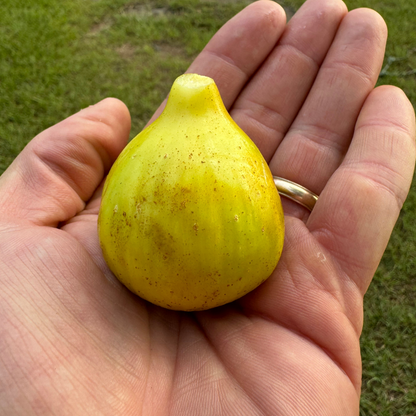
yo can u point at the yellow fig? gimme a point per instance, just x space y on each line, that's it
190 218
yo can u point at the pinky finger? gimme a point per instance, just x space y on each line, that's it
359 206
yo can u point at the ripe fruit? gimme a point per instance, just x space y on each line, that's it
190 217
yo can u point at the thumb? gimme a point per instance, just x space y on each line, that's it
58 171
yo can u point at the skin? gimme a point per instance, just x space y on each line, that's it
74 341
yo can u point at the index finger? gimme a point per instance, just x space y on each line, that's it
238 49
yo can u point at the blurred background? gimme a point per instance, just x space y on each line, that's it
59 56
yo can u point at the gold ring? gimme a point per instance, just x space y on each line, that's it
295 192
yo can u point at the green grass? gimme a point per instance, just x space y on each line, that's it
58 56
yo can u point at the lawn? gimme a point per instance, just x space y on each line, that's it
58 56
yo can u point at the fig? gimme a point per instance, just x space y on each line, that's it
190 218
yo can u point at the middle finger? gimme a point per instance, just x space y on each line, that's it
321 133
269 103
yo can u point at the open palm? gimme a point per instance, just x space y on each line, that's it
74 341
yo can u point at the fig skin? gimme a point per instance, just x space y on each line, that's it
190 218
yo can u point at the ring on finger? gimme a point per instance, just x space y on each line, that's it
296 192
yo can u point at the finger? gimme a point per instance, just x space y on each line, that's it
358 208
319 137
269 104
59 169
239 48
83 227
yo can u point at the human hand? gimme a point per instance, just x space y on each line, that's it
75 341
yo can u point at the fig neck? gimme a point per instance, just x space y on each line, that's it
195 95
